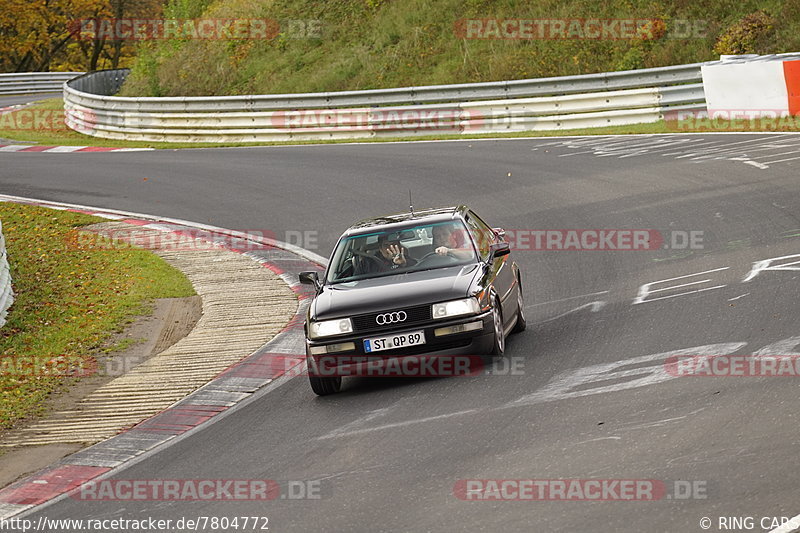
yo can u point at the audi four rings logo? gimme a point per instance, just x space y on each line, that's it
391 318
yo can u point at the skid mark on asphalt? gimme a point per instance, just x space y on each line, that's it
566 299
352 426
657 423
404 423
598 439
593 306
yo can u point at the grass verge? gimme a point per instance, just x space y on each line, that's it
19 126
69 300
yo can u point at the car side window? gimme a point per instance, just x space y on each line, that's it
481 234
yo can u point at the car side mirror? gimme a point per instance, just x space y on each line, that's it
499 249
310 278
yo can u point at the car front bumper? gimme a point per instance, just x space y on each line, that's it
472 345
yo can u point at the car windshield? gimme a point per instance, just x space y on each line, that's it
401 250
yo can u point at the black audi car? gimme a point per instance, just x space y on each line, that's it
439 281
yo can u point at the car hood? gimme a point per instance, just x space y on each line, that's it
390 292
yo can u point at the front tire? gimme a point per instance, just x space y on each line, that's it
325 385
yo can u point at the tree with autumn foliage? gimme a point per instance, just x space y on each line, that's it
42 35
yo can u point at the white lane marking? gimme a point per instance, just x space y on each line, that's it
788 527
782 160
722 147
737 297
398 424
594 306
645 289
747 150
627 141
682 285
783 347
725 147
781 145
766 264
627 372
654 150
684 293
626 147
566 299
575 383
577 153
690 154
756 164
664 142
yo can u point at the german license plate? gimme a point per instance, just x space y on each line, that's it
390 342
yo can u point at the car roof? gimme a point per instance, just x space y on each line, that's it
389 222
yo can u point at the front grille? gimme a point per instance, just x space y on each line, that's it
416 315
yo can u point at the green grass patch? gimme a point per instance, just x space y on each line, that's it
69 300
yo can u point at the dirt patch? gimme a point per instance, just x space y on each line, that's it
172 320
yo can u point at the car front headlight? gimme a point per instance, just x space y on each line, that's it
329 328
465 306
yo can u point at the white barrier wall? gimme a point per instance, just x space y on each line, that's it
6 295
752 84
585 101
34 82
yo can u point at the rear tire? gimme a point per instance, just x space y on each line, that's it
521 323
326 385
499 341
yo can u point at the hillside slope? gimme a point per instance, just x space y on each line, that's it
329 45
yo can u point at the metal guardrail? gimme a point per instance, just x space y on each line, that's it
6 294
34 82
592 100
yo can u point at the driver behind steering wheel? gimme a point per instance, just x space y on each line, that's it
391 255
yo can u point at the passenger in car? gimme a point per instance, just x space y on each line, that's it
447 239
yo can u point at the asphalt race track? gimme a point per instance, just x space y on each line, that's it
588 403
18 99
